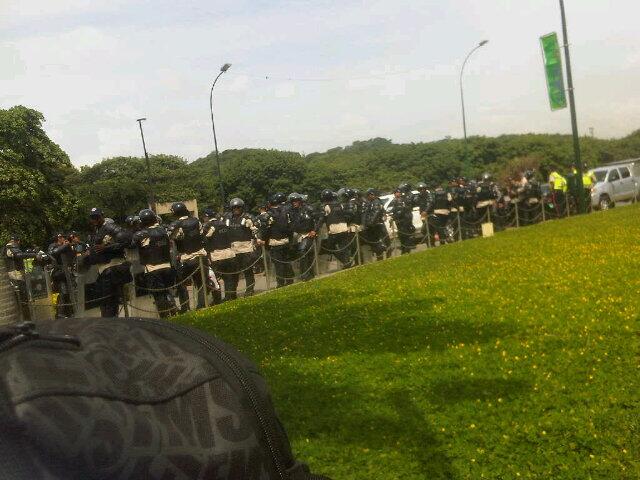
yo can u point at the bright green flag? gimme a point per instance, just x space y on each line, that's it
553 69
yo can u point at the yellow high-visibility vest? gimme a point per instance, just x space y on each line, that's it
587 180
559 182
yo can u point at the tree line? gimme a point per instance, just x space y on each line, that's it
41 192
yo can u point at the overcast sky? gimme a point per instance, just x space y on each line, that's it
338 71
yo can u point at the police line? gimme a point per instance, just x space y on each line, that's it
137 298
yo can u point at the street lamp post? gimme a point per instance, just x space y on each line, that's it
223 69
152 198
464 119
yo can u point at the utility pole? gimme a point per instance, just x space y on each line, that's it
152 198
574 120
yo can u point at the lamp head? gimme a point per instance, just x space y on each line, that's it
484 42
225 67
140 119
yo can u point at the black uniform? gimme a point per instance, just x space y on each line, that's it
442 204
486 196
276 232
401 209
242 232
62 260
467 200
14 260
337 221
303 221
353 211
155 255
374 231
217 243
530 206
106 251
186 232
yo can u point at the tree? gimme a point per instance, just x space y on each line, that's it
34 195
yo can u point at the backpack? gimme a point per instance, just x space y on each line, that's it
134 398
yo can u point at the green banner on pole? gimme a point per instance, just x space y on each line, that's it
553 70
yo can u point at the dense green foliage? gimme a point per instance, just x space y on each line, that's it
39 183
34 198
491 358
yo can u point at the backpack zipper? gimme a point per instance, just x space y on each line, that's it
25 331
240 376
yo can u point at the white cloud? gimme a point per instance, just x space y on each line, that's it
99 65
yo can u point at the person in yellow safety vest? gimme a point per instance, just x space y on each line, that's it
557 181
588 181
558 187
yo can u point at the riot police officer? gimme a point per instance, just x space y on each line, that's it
276 233
242 231
424 201
337 221
352 207
152 242
442 204
486 196
218 244
532 198
401 209
374 231
304 224
107 253
14 258
62 255
186 232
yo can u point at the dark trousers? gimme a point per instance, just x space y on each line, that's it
225 270
441 226
184 270
305 254
109 288
59 285
377 238
405 235
559 202
161 280
245 263
281 262
339 244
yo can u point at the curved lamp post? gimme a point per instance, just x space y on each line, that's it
223 69
464 119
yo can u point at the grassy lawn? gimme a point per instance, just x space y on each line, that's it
516 356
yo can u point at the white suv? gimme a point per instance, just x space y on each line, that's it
614 183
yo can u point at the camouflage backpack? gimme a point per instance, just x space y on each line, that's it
134 399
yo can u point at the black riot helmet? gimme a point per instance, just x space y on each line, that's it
278 198
147 217
209 212
372 191
236 203
327 195
349 193
296 197
421 186
486 176
179 209
529 174
132 221
96 213
404 187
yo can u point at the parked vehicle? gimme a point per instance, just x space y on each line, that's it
614 183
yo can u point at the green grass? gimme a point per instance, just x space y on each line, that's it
516 356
